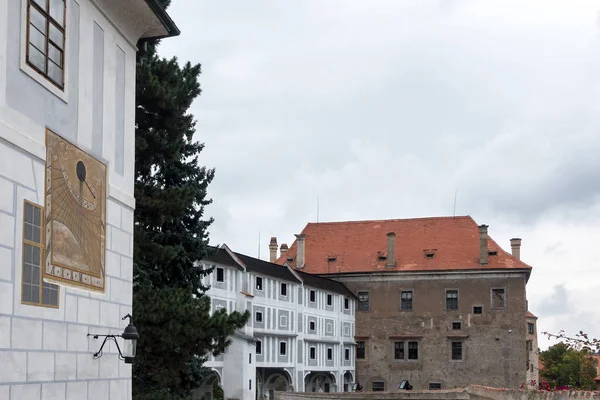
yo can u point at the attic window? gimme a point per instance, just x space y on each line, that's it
429 253
381 255
331 258
492 253
290 259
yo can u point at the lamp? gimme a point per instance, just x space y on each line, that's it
130 335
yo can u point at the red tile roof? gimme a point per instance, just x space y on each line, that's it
530 315
355 246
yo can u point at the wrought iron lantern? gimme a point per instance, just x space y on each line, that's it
130 336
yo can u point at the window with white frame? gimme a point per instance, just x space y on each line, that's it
259 283
312 296
258 316
283 321
258 347
283 289
313 353
329 354
282 348
220 275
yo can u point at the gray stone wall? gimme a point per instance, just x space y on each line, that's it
493 342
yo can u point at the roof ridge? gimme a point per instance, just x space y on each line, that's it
369 221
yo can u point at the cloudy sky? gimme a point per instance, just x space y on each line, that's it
383 109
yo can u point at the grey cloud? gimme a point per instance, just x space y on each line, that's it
556 303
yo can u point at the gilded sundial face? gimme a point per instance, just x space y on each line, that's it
75 215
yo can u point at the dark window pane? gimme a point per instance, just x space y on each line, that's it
452 300
54 296
477 310
399 350
37 59
26 273
35 276
258 347
36 237
329 300
363 301
413 350
457 350
28 213
57 11
56 36
37 217
46 296
27 254
313 296
35 255
35 294
360 350
37 19
37 38
26 292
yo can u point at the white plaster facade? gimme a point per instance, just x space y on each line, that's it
305 340
45 352
533 371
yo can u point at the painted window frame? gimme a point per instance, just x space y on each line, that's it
477 306
256 318
347 354
329 300
312 296
312 326
530 328
283 289
452 350
42 249
312 353
346 303
283 321
259 283
32 71
456 325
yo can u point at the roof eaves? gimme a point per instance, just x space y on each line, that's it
234 256
165 19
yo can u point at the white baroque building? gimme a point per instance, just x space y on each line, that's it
67 71
300 336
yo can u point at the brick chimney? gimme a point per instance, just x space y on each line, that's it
391 250
300 250
515 245
283 250
273 249
483 245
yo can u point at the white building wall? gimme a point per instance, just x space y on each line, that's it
284 319
45 353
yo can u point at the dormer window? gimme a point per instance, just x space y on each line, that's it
331 258
492 253
381 255
290 259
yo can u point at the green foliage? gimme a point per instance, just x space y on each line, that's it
567 366
170 308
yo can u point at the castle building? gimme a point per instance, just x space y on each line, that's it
439 302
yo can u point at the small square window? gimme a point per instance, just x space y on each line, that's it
312 296
311 325
457 351
220 275
258 317
282 348
313 353
360 350
329 353
259 283
363 301
477 310
435 386
451 299
259 347
456 325
346 303
284 289
329 300
347 354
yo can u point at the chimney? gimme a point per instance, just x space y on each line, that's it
300 251
391 250
515 245
483 244
273 249
283 250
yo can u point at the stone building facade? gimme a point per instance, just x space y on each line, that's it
439 303
532 363
67 69
300 335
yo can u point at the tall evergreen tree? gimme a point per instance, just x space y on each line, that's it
170 307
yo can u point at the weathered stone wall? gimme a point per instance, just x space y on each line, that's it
474 392
494 343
